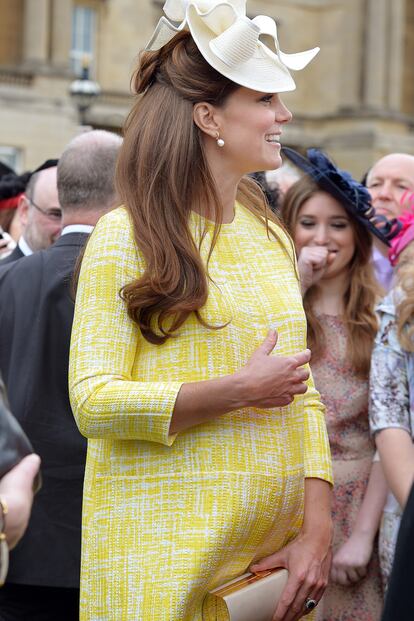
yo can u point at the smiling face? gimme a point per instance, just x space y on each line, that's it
323 222
388 181
251 124
39 211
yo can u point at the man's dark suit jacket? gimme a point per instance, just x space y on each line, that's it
13 256
399 600
36 313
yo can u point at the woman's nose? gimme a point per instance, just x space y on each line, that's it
321 237
282 113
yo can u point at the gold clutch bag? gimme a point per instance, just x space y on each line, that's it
248 597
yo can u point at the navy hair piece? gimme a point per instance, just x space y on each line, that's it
356 193
45 165
11 184
340 184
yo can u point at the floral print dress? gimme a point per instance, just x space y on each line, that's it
346 399
391 405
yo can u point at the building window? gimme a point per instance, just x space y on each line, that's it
12 156
83 39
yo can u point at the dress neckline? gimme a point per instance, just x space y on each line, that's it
331 316
225 227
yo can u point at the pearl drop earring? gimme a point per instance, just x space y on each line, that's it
220 142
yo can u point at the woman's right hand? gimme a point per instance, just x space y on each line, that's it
313 262
350 563
264 382
272 381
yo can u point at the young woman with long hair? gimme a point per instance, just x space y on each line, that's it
324 212
207 442
392 390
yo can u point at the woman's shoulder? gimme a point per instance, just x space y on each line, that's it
250 221
112 239
387 334
115 219
246 215
113 229
389 303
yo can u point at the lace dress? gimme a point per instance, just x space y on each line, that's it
346 399
391 406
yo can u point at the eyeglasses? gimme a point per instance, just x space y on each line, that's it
53 213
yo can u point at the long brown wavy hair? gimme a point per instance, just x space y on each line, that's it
360 296
405 309
162 175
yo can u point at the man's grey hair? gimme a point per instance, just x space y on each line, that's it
86 171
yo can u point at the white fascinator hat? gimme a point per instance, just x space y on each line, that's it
243 50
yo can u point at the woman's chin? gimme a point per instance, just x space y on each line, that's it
274 162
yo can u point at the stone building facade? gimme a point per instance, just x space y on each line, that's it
356 100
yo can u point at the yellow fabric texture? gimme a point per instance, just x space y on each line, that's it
166 519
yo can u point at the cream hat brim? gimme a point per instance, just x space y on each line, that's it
230 43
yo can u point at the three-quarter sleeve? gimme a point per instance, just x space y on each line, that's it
389 390
106 402
317 453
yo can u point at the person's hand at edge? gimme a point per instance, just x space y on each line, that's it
16 488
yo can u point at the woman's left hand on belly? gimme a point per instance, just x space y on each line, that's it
308 560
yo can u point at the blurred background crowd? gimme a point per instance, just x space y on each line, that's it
356 102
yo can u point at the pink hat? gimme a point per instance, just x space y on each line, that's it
404 237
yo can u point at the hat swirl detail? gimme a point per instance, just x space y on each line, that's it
244 50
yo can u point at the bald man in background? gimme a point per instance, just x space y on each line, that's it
391 185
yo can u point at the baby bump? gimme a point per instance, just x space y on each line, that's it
164 541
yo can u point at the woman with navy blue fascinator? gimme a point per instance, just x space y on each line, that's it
333 224
340 184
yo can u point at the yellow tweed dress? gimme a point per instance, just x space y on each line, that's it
167 518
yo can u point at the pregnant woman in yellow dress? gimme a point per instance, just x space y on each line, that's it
207 449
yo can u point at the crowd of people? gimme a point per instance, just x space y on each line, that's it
214 363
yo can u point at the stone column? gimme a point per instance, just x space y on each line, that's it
396 62
36 32
377 49
350 41
407 103
61 33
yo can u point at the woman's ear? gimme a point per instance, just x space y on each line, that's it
205 117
